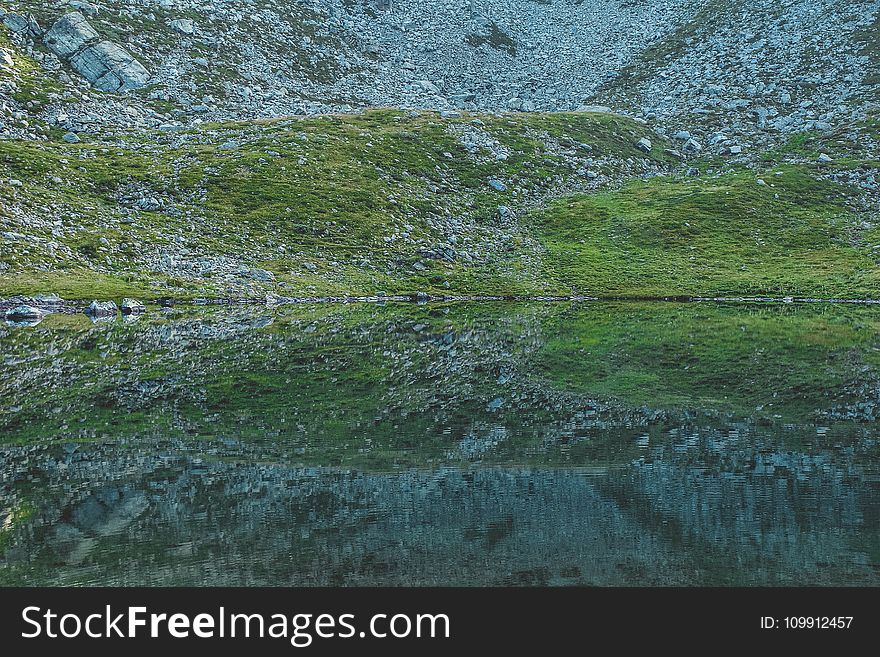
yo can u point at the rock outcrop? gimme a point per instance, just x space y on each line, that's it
106 65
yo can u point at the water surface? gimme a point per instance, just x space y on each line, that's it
469 444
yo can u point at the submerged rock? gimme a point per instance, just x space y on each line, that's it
102 309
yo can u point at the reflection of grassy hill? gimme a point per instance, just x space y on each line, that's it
383 387
330 384
765 360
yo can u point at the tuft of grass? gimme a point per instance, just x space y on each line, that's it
337 205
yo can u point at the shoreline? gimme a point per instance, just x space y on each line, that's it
50 304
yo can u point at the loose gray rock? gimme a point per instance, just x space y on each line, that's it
71 138
262 275
692 146
182 25
644 144
86 8
602 109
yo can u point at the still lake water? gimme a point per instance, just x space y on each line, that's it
469 444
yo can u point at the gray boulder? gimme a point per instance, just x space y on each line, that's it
262 275
102 309
644 144
692 146
604 109
85 7
182 25
132 307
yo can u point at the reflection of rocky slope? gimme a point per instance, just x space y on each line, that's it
370 371
701 506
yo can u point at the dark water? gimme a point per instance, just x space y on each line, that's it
604 444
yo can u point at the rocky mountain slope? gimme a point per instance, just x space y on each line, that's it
732 65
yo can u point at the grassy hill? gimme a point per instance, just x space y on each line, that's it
457 204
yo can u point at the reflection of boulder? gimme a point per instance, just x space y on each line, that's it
108 511
23 312
102 309
132 307
24 315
